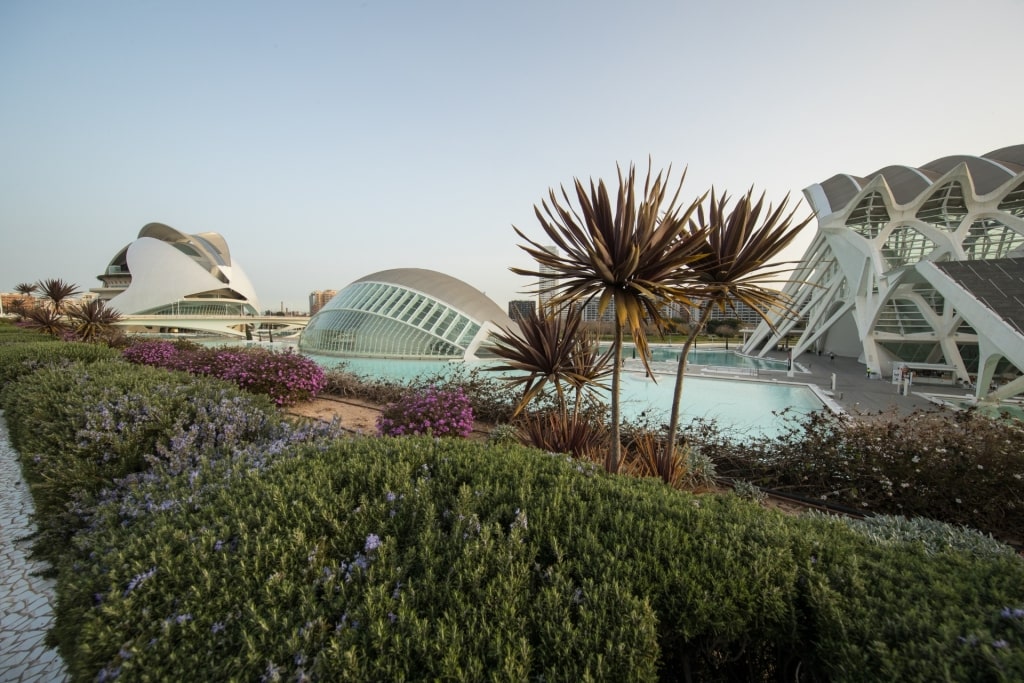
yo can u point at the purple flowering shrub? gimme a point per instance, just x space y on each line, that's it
428 411
285 377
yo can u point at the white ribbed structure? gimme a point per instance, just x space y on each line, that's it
872 286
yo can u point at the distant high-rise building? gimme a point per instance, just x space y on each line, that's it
319 299
521 308
548 279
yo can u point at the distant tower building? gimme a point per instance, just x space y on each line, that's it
521 308
548 279
319 299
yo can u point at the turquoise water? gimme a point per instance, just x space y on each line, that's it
742 407
739 406
717 357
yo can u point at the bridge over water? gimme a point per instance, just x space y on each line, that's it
229 325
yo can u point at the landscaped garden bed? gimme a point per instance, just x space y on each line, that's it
198 532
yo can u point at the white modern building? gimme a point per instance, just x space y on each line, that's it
916 268
406 313
166 272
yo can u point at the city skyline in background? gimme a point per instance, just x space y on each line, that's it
328 141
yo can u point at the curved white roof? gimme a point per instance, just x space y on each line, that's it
168 266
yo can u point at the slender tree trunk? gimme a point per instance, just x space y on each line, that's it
615 453
677 395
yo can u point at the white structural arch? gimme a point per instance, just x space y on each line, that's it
916 267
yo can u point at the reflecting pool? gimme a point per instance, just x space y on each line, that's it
740 406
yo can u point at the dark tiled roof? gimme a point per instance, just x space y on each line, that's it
997 283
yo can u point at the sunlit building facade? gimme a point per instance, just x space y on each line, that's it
903 272
405 313
171 273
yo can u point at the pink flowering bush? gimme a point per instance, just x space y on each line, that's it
428 411
285 377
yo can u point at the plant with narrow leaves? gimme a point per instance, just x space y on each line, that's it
551 349
628 255
93 320
57 292
736 249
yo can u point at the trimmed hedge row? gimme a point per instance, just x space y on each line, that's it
297 555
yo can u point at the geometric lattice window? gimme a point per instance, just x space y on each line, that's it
901 316
946 208
914 352
906 246
1013 203
869 217
931 296
989 238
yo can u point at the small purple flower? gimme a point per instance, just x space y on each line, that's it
372 542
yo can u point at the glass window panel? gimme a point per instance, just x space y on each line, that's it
869 217
945 209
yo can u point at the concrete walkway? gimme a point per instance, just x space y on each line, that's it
855 392
25 597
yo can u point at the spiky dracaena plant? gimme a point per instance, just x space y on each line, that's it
550 349
57 292
93 319
45 320
629 255
735 264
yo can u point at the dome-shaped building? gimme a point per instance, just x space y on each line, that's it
405 313
168 272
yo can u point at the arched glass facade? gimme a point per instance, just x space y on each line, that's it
375 318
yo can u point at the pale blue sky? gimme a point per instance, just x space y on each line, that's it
328 140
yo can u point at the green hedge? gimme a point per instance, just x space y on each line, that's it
211 543
22 357
515 564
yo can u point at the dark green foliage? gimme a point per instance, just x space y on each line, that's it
79 428
390 559
26 355
244 551
962 468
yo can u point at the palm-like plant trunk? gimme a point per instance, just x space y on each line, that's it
677 394
614 456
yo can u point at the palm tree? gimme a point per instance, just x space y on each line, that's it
46 320
93 319
551 349
26 290
56 291
628 256
735 265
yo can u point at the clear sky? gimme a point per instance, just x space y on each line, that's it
329 140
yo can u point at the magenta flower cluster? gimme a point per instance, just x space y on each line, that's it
428 411
285 377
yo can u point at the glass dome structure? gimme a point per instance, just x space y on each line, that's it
405 313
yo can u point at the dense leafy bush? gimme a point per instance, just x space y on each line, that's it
425 559
427 411
285 377
82 428
489 398
21 357
238 547
957 467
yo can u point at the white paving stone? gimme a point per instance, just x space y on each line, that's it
25 597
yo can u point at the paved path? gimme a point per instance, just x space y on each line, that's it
25 597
